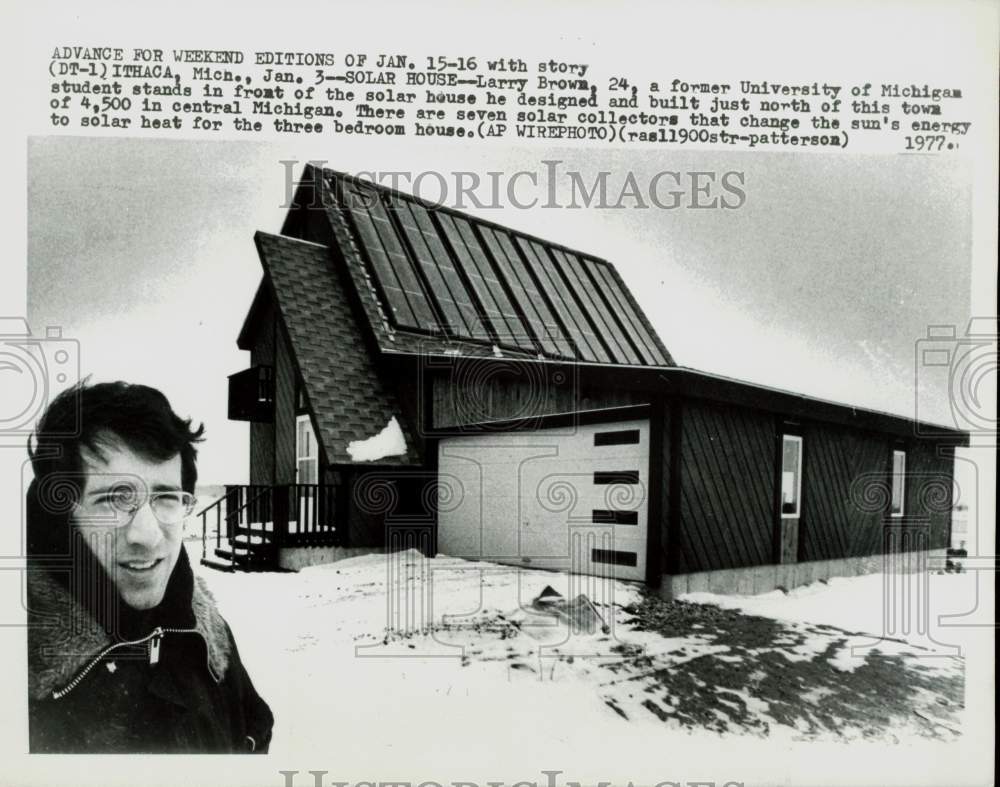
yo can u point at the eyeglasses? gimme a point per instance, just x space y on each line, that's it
118 506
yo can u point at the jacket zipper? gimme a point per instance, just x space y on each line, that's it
153 638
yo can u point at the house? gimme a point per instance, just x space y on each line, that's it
421 377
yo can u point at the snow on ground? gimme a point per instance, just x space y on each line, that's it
895 615
454 666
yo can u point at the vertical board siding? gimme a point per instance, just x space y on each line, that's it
262 434
284 413
838 519
727 458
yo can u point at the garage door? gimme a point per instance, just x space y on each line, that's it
571 498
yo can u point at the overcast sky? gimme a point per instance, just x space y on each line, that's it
821 283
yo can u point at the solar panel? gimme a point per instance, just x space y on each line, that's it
471 257
443 281
441 272
565 305
393 269
579 282
627 317
555 342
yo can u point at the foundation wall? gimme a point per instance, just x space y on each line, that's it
761 579
294 558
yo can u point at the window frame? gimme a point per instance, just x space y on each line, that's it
300 458
796 438
901 453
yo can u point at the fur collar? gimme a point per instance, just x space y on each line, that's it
63 637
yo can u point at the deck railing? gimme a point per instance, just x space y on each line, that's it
280 515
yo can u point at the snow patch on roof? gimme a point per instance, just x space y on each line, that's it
388 442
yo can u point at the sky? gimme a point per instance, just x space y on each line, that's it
823 282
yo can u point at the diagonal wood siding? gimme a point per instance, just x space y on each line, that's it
727 458
839 517
929 491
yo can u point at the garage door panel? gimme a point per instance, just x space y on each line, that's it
486 455
532 498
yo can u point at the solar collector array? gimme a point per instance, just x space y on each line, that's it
442 272
507 325
444 281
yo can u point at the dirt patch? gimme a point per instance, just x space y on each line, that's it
761 673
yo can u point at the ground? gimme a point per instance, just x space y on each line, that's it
469 671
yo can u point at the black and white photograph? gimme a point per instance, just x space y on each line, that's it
505 415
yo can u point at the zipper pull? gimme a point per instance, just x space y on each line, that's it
154 646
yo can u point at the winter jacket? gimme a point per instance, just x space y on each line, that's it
170 689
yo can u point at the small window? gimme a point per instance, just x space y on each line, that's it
898 482
791 476
621 437
616 477
613 557
306 452
601 516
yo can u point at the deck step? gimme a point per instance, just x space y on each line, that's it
254 556
218 565
241 530
244 542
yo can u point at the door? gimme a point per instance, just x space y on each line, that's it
572 498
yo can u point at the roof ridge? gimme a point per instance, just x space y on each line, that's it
289 237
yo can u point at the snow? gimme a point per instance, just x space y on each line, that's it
388 442
856 605
442 665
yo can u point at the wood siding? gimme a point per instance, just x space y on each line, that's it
284 412
262 434
928 493
465 395
372 503
726 487
844 505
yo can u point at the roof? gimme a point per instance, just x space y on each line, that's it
344 391
410 279
684 381
431 278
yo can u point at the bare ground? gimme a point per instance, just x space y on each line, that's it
766 673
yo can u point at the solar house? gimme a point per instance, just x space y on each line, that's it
422 377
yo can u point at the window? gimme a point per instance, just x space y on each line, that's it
616 476
791 476
306 452
613 556
898 482
621 437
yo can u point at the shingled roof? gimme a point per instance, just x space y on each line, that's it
430 279
345 393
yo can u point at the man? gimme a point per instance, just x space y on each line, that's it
127 651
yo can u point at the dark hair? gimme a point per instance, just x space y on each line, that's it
91 415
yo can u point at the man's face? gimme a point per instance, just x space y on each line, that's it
139 555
